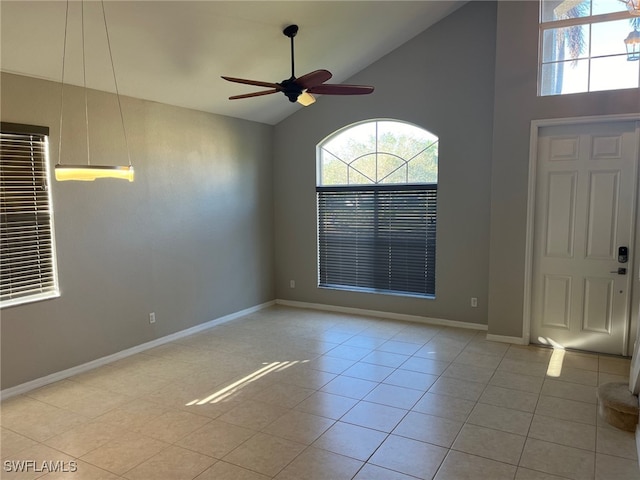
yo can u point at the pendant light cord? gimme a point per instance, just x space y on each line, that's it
64 54
86 108
84 80
115 81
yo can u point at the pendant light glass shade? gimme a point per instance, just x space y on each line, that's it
87 172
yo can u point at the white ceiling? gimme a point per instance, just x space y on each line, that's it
175 51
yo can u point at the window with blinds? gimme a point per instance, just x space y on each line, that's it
377 202
27 252
378 238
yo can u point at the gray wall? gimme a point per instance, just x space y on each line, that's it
191 239
516 105
443 81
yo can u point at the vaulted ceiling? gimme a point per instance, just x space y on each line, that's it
174 52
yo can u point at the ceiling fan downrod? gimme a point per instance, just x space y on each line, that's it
290 32
291 90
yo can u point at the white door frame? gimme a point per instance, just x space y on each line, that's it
536 125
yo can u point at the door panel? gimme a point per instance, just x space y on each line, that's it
598 300
557 301
560 225
584 211
602 215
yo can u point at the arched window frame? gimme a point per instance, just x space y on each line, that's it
431 143
376 235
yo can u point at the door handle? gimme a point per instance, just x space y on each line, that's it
620 271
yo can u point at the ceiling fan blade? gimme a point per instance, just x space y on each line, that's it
314 78
341 89
254 94
256 83
305 99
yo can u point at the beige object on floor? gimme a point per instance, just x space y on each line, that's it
618 406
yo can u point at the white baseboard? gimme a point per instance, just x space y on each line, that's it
54 377
506 339
377 313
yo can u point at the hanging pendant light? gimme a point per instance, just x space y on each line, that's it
89 172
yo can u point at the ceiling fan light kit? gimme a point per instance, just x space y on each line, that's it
300 89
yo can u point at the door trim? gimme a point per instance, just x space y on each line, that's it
536 125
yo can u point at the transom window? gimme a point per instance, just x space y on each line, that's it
587 46
377 197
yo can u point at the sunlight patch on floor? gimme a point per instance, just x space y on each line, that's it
555 362
554 369
233 388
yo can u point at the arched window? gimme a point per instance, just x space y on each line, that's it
377 195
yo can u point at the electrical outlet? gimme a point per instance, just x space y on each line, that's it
152 317
474 302
292 284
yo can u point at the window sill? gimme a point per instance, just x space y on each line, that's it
377 292
30 299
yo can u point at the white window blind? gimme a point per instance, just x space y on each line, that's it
27 252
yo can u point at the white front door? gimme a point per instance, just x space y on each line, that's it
584 216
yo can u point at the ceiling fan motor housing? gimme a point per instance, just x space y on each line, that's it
291 89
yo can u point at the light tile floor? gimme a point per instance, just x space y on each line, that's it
298 394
